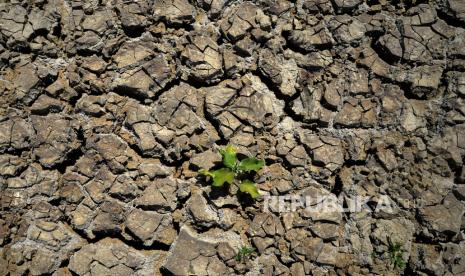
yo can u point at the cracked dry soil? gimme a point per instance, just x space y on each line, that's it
109 108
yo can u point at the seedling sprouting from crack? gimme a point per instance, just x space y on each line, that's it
234 169
395 254
244 253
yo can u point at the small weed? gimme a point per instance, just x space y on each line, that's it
244 253
233 168
395 254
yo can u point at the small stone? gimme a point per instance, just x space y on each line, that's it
225 251
143 224
94 64
45 104
97 22
297 157
135 82
175 12
154 168
326 231
350 115
195 260
311 37
204 59
262 243
427 257
201 212
297 269
239 21
328 255
107 255
41 262
159 196
387 158
443 219
206 160
332 96
89 42
60 133
11 165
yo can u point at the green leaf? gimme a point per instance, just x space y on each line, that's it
205 172
395 252
251 164
250 188
229 156
244 252
221 176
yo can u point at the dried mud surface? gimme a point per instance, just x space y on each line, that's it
109 108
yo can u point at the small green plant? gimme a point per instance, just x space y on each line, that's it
395 254
234 169
244 252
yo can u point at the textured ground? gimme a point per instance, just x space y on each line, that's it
109 108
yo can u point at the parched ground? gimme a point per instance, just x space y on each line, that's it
109 108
